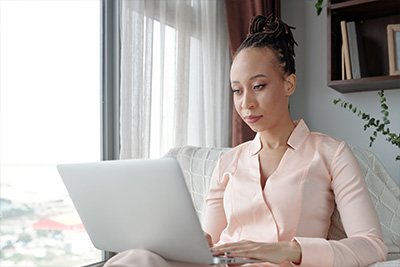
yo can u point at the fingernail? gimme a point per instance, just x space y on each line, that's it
227 252
211 250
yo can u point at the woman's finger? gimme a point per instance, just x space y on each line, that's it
233 246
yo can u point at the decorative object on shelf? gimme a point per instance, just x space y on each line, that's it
380 126
346 51
393 33
356 49
353 57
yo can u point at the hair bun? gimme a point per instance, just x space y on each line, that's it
271 25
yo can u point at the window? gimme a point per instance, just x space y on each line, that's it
158 126
50 113
174 76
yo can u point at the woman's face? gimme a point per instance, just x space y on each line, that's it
261 93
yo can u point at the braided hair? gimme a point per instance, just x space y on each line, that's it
273 33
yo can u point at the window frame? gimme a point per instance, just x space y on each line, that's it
110 83
110 89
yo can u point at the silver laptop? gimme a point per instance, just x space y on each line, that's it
142 204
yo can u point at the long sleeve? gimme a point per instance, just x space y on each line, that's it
364 244
214 220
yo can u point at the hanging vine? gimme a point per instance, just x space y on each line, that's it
379 126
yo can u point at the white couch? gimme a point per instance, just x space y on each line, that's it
198 163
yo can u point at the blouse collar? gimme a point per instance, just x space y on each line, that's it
296 138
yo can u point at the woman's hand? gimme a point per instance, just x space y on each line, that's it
271 252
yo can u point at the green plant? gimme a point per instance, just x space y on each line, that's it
318 6
380 126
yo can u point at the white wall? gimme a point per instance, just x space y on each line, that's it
313 100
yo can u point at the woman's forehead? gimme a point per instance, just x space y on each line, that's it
253 61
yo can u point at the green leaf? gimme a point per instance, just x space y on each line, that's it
372 140
371 121
318 6
364 116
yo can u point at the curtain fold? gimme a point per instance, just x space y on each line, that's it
174 76
238 14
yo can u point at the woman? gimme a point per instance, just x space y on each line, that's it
272 198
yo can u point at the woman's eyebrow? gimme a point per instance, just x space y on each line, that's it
252 78
257 76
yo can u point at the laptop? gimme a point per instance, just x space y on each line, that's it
139 204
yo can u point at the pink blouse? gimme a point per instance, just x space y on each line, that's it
297 202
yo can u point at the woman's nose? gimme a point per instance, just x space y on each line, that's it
248 100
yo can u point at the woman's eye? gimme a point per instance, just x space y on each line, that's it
259 86
236 91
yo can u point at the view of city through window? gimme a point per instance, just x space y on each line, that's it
49 114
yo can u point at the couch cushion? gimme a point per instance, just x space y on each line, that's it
197 164
390 263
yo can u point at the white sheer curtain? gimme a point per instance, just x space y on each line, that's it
174 76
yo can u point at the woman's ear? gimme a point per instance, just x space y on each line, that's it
290 84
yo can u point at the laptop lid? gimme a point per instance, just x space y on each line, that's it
141 203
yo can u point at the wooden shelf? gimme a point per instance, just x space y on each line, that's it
370 8
366 84
372 17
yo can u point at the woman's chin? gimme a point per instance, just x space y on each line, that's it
254 128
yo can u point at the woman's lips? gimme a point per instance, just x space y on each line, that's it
252 119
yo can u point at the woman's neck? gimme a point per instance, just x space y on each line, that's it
277 136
